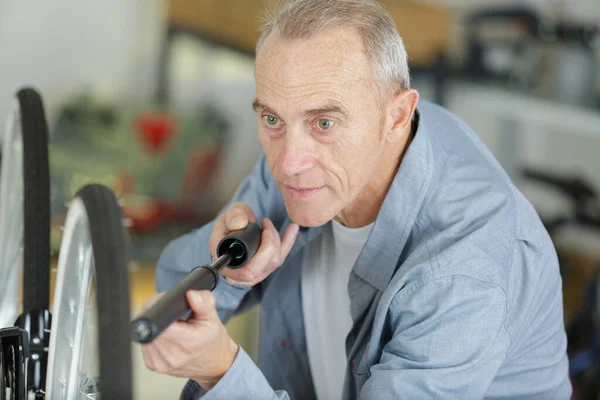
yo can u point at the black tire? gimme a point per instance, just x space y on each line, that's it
36 205
112 291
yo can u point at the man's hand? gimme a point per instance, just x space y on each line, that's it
198 349
270 255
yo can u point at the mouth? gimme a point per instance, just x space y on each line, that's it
302 193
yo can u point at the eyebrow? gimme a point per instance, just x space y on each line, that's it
257 105
330 107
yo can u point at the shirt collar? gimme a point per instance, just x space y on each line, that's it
379 257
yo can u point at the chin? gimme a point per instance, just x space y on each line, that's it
307 216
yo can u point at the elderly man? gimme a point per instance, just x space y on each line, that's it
397 261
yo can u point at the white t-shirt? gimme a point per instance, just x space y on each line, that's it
326 305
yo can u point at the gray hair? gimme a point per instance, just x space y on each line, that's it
292 19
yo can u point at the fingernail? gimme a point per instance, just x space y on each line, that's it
238 220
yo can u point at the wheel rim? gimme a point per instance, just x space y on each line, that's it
11 218
73 363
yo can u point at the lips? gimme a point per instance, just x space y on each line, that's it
303 192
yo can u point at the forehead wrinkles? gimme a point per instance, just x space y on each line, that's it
332 66
316 86
294 71
335 56
324 88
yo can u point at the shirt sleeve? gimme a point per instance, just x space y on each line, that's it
243 380
448 342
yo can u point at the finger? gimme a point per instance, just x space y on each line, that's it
170 353
232 281
285 245
219 232
185 339
202 304
289 238
273 232
157 352
267 225
256 266
182 337
148 357
153 357
238 216
221 228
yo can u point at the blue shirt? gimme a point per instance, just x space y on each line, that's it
456 294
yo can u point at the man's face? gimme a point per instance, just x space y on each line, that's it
319 121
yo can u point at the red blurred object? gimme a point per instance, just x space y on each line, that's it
155 130
159 212
199 168
153 213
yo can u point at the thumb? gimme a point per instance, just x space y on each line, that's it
202 303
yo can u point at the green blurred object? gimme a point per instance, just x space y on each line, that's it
161 165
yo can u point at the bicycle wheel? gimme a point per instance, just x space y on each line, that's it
90 345
2 384
24 209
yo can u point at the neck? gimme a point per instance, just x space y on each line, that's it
364 209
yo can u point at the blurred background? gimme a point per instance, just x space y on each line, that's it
153 98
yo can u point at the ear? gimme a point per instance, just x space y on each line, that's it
401 111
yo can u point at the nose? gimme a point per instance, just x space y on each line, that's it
298 153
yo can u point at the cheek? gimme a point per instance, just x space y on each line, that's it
355 154
270 147
262 136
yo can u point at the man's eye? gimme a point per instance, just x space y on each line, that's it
325 124
271 120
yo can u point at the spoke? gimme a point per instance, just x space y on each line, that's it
73 361
89 389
